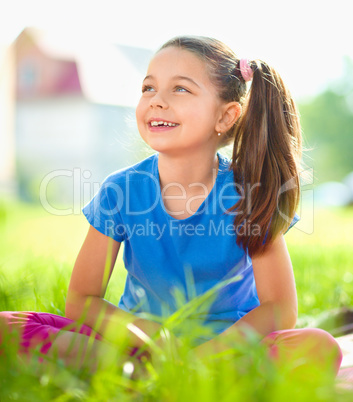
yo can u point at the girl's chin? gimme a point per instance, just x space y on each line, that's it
159 144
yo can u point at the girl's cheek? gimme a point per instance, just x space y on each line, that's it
141 107
138 113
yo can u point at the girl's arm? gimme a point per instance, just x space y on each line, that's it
88 284
276 290
277 294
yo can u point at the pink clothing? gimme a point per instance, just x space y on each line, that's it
314 345
38 328
35 329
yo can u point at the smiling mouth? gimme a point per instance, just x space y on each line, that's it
155 123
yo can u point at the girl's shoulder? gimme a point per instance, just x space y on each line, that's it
142 170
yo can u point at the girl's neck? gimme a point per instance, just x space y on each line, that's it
187 173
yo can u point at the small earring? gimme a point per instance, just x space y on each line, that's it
219 134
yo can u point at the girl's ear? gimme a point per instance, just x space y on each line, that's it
230 114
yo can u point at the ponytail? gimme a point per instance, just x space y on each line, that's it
266 158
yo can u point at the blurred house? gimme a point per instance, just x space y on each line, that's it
74 114
7 117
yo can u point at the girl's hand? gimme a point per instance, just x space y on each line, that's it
150 335
142 331
227 342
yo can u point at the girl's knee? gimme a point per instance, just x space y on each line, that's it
13 325
319 339
5 323
10 320
323 343
6 327
315 344
4 319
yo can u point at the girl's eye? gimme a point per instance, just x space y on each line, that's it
181 89
147 88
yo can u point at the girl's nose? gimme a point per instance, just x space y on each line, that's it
158 101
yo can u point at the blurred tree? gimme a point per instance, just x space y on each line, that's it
327 122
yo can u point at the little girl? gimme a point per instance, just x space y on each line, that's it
191 219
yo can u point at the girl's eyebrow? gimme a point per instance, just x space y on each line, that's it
176 77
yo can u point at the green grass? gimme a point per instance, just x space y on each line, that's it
322 261
37 252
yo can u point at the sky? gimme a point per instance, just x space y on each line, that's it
305 40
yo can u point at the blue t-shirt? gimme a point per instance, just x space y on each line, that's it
170 261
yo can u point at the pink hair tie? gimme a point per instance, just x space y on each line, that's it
246 70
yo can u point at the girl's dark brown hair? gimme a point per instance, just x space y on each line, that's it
267 142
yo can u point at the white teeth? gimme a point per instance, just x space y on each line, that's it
162 123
